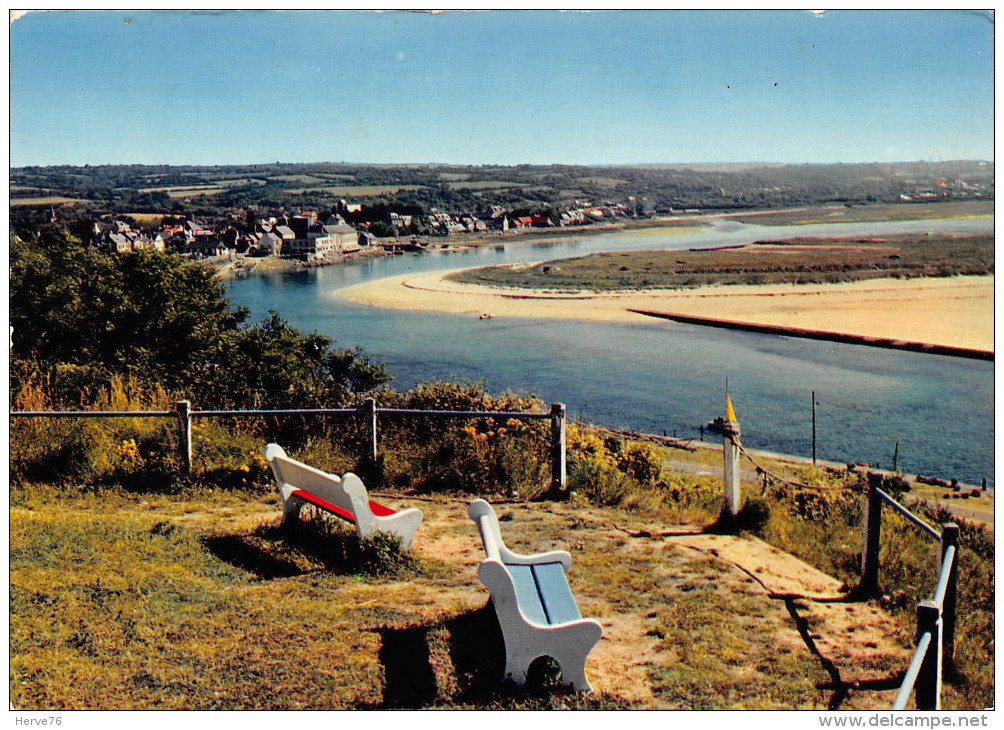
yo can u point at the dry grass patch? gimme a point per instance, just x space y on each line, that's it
123 601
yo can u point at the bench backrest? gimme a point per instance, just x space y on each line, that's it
349 493
537 584
488 525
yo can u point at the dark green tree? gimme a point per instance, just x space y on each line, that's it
164 321
273 365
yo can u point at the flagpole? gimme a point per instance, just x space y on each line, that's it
813 428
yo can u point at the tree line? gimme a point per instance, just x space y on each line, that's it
477 188
80 318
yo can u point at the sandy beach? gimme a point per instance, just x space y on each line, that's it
954 312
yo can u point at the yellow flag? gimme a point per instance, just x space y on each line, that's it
730 415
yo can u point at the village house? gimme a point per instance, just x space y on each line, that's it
120 238
473 224
345 236
267 244
574 217
323 241
145 242
285 235
400 221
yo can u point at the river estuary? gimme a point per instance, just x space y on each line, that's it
660 376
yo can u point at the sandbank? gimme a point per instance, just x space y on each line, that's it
954 312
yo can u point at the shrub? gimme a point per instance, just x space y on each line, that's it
476 456
605 470
641 463
135 453
482 458
381 554
337 546
895 485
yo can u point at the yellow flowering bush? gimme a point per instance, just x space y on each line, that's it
127 450
604 469
476 456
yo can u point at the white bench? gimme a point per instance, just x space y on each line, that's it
534 605
343 497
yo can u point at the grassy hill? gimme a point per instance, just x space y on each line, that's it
195 598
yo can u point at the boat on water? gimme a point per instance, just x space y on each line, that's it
716 425
415 245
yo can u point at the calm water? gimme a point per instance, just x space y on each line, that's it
665 376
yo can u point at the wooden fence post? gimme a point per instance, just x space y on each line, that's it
872 528
371 426
928 686
183 409
730 451
949 537
559 479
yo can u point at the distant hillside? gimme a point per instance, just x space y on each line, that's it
644 190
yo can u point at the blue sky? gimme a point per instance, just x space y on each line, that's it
500 87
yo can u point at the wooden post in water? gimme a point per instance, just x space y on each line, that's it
559 479
730 455
949 538
872 533
183 410
369 408
928 686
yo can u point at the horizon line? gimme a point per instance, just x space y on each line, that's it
499 164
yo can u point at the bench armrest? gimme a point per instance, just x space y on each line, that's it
495 548
552 556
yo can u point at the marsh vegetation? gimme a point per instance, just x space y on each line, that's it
788 261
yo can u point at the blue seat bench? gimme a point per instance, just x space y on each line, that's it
534 605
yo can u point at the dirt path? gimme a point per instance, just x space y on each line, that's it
843 632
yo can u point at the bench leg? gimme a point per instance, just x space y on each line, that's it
568 645
573 670
291 511
573 646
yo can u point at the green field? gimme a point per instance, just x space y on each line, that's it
297 179
362 191
484 185
605 182
796 261
46 200
867 213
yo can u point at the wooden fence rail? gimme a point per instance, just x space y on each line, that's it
183 414
924 674
936 617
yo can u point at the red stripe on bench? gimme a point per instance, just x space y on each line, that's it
381 511
323 504
378 509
